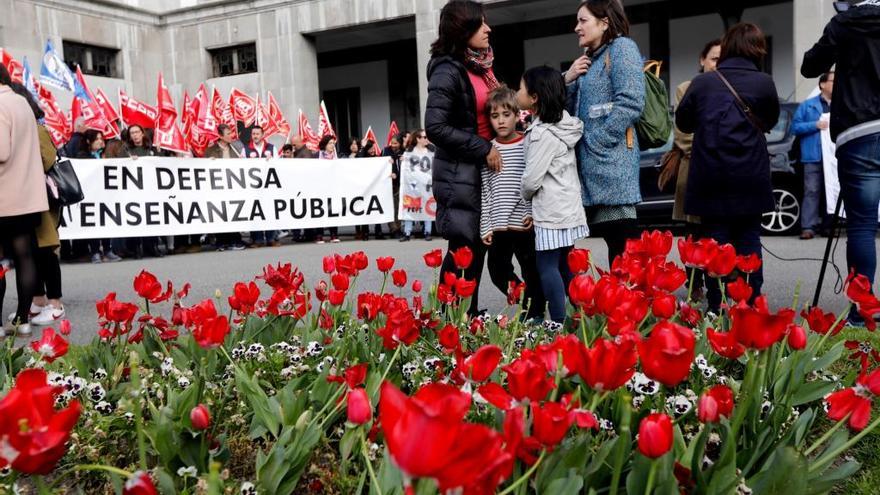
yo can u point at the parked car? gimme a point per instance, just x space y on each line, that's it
656 206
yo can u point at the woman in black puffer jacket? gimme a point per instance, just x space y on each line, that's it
460 78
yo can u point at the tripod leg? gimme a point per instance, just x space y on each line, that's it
831 237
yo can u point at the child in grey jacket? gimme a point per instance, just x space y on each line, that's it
551 181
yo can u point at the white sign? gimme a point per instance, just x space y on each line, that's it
416 192
154 196
829 169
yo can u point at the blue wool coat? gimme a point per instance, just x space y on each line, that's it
608 167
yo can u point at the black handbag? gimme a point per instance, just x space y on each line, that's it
62 184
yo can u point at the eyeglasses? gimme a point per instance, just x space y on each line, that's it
423 137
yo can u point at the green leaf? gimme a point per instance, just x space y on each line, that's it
780 475
827 359
570 455
831 479
722 474
570 485
347 443
811 392
258 401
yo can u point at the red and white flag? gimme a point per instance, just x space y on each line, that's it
278 117
55 120
110 113
134 112
244 108
14 67
86 106
376 150
324 125
223 113
188 115
168 135
264 120
392 131
305 131
203 129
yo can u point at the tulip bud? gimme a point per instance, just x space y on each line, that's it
655 435
797 337
714 403
200 417
359 409
417 286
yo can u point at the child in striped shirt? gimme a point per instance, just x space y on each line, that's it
505 217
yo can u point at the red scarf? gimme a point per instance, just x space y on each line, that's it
480 63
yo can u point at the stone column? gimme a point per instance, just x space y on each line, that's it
810 18
427 21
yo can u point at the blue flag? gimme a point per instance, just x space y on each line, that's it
54 71
28 77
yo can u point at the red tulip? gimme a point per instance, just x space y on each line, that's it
757 329
480 365
797 337
463 257
697 254
515 292
581 290
821 322
748 264
359 409
385 263
528 378
200 417
495 394
579 260
723 262
64 327
368 305
667 354
147 285
550 423
336 297
115 311
663 306
140 483
849 402
51 346
608 365
33 435
434 258
714 403
859 289
870 381
725 344
340 281
448 337
244 297
655 435
465 288
417 286
667 277
329 264
355 375
398 277
739 291
211 332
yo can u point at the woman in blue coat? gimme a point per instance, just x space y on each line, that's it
729 178
606 90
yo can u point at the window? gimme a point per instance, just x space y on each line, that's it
92 60
232 60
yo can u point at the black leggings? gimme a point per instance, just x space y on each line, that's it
21 247
49 271
520 244
555 277
615 234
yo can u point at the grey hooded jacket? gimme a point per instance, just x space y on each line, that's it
551 180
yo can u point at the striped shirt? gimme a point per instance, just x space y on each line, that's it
503 207
549 239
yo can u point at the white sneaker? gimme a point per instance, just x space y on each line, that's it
24 330
49 316
32 312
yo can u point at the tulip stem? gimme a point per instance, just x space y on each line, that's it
522 479
836 452
388 368
691 285
365 451
827 435
42 489
137 410
831 330
90 467
651 475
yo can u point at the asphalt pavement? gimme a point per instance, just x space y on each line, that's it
212 271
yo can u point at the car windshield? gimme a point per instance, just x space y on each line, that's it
778 132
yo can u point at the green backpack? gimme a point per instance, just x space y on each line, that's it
655 125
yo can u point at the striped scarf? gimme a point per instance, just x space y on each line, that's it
480 63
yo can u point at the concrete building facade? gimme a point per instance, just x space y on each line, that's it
367 58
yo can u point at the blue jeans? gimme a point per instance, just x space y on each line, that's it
555 277
858 167
408 226
264 237
811 219
744 232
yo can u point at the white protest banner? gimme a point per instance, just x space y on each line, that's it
416 193
154 196
829 169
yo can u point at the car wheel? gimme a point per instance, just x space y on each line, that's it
785 218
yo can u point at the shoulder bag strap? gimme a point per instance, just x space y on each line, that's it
741 103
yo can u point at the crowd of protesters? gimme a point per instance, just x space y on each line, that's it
512 188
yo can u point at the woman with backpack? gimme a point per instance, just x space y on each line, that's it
606 90
728 111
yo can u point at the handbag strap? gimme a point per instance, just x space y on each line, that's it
741 103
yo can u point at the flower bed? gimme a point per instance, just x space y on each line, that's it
284 388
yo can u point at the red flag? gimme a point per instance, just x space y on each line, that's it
110 113
376 150
203 129
134 112
86 106
188 111
55 120
223 113
324 126
392 131
244 108
14 67
308 136
278 117
264 120
168 135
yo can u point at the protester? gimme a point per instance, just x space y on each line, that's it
807 124
415 157
606 90
226 145
505 217
92 146
137 142
395 150
852 42
683 142
327 148
729 178
368 148
258 147
22 196
550 181
299 148
460 79
354 147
